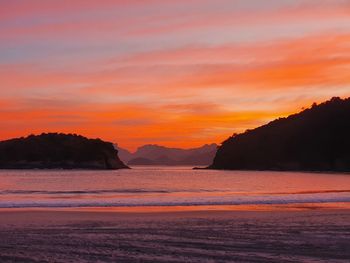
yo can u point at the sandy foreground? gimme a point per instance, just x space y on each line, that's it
295 234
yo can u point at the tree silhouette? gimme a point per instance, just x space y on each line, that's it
317 139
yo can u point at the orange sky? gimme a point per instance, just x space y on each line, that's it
176 73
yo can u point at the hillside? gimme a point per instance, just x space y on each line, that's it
160 155
58 151
316 139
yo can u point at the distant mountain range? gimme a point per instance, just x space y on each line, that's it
58 151
160 155
316 139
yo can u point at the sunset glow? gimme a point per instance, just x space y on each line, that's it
176 73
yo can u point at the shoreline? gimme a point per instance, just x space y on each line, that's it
272 170
190 167
21 218
190 208
38 217
283 235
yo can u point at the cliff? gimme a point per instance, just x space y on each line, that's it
58 151
316 139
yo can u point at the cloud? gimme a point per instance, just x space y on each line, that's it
179 73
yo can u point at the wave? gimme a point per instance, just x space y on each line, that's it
109 191
41 192
145 203
150 191
311 192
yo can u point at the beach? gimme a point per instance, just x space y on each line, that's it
174 214
295 233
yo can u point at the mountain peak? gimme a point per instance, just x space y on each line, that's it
162 155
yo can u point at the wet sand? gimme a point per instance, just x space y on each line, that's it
299 234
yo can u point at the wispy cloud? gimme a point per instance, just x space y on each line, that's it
180 73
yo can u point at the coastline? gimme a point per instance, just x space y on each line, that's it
275 170
188 208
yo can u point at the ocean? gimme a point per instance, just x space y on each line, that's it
167 186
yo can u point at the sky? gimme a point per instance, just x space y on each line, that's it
176 73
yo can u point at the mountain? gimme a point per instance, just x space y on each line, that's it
124 154
58 151
160 155
316 139
140 161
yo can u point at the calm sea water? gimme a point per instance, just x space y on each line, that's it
167 186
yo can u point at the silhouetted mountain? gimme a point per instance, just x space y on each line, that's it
160 155
140 161
317 139
124 154
53 150
165 160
